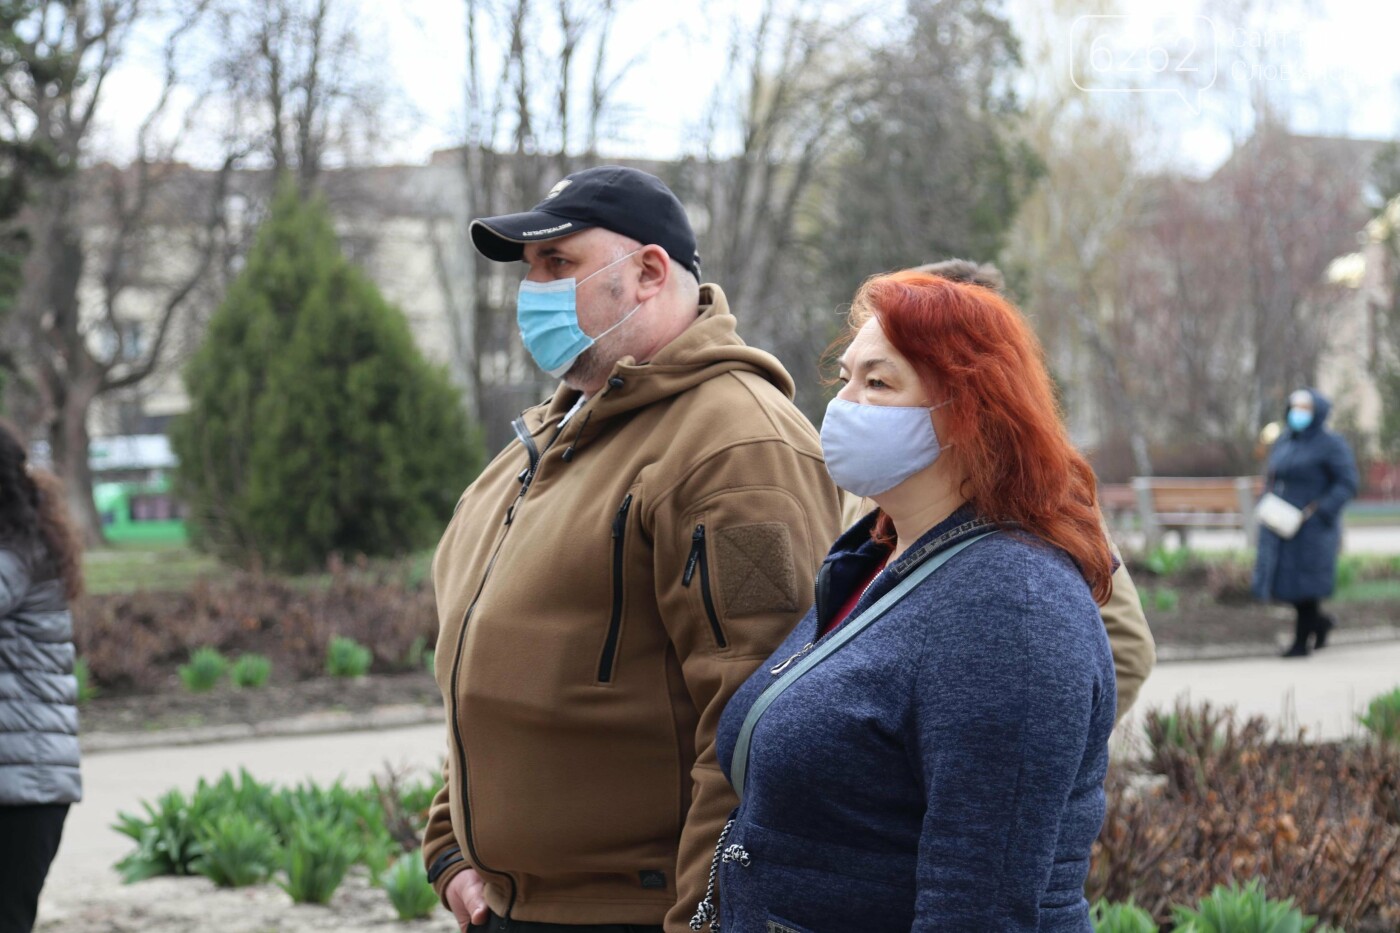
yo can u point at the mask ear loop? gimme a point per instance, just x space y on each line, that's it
934 408
620 321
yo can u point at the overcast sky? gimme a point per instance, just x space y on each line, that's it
1334 60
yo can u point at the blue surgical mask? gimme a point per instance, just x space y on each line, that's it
547 313
1299 419
870 449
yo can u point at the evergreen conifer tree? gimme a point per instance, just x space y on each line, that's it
316 426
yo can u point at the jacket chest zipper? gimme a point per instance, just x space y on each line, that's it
526 477
619 541
699 559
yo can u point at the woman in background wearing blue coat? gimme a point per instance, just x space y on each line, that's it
1313 469
39 574
943 768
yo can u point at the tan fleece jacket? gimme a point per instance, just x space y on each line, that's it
602 589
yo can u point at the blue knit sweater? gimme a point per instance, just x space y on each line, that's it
942 771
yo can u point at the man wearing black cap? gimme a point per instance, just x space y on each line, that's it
610 579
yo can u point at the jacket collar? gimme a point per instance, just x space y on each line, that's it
855 555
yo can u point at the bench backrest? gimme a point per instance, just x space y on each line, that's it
1198 494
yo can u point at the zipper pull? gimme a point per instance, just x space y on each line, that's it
697 544
620 520
777 669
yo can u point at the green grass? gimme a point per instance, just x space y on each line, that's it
128 568
1371 515
1365 591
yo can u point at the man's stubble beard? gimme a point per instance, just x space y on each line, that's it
594 364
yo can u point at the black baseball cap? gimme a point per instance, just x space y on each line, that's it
623 200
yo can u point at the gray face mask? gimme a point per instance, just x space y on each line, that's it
870 449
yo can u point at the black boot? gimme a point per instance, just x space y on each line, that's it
1301 630
1325 624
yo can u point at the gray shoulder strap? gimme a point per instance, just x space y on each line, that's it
739 768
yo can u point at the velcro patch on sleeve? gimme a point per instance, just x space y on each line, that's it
756 569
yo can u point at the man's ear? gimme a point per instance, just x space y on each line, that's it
656 270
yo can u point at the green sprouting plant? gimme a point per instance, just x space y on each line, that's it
168 838
413 657
165 839
318 854
407 886
1121 918
235 850
206 668
429 659
1165 599
250 670
1242 910
346 657
1383 717
86 688
1349 570
358 812
1165 563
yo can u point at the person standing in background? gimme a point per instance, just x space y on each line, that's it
1312 469
40 573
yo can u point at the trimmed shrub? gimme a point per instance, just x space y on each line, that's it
250 670
206 668
346 657
406 883
137 640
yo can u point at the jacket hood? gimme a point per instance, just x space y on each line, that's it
710 347
1322 408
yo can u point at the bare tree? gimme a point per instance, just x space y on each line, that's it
764 141
537 93
68 357
299 82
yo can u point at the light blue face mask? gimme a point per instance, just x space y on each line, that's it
547 313
1299 419
870 449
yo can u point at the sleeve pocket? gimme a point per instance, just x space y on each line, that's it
756 569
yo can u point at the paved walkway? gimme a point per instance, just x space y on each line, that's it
1365 539
1323 692
118 781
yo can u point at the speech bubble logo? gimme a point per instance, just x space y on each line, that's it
1126 54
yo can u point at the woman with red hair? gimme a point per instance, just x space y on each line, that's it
928 748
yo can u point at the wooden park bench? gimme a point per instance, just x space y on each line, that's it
1183 504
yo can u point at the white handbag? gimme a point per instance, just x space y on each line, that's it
1277 515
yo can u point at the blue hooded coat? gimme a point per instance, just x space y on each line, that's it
1309 467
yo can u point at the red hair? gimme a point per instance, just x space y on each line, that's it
973 348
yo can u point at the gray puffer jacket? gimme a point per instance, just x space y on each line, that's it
38 693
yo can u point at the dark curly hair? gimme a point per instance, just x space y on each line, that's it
33 519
